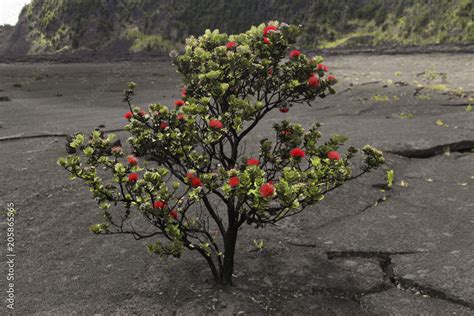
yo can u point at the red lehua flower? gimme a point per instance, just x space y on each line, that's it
128 115
180 116
174 214
297 153
253 162
132 160
159 204
234 181
284 109
183 92
295 54
334 155
268 29
216 124
313 81
332 78
190 175
285 132
164 125
267 190
179 103
266 41
230 45
196 182
116 150
141 113
133 177
322 67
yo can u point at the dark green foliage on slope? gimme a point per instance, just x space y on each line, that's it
151 25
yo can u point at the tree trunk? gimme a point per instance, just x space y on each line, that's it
229 251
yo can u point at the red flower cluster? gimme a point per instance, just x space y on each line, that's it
215 124
253 162
313 81
334 155
322 67
284 109
132 160
285 132
116 150
196 182
179 103
174 214
133 177
193 180
268 29
183 92
231 45
164 125
234 181
128 115
267 190
159 204
141 113
332 79
295 54
180 116
297 153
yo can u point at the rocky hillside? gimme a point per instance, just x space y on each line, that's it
122 26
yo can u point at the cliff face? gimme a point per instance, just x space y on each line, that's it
121 26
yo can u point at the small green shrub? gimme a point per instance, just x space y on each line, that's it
189 176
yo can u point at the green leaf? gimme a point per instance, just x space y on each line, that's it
98 228
131 85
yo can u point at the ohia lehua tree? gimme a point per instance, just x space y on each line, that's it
188 175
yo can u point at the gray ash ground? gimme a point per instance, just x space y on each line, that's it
407 250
